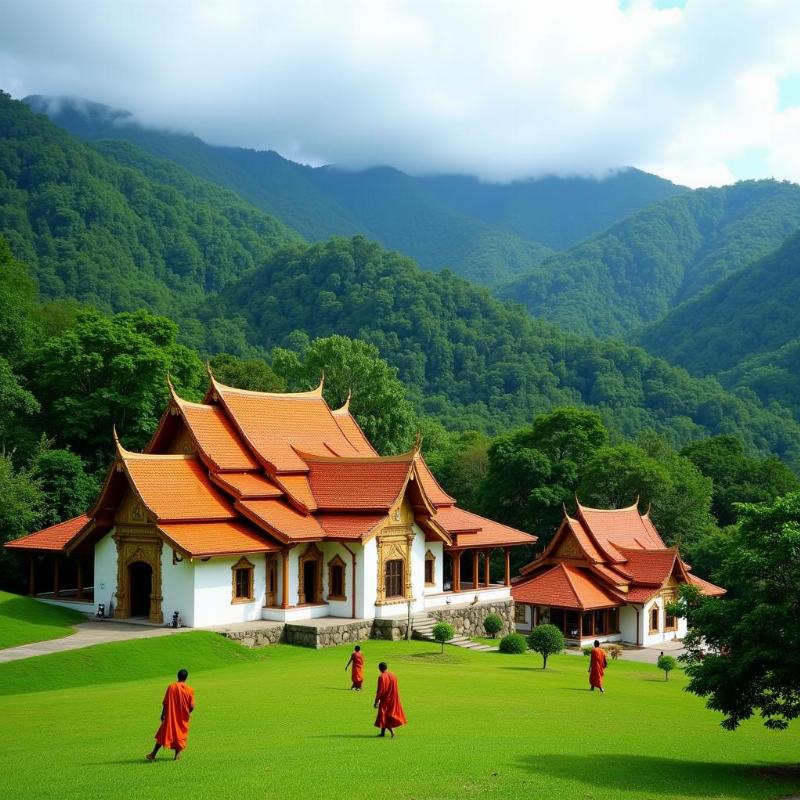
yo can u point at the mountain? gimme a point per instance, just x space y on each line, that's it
93 229
472 361
558 212
484 232
746 328
641 268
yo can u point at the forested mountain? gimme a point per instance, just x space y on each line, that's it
92 229
485 232
558 212
473 362
747 328
640 269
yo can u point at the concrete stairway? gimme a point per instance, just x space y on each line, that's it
422 627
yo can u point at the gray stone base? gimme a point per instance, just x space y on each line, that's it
328 635
468 620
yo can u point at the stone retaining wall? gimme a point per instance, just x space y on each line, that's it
327 636
468 620
256 637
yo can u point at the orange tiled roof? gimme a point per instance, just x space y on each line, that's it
247 485
217 538
650 567
364 483
564 586
175 487
620 527
297 487
282 519
471 530
275 424
436 494
352 430
216 436
706 587
56 537
349 526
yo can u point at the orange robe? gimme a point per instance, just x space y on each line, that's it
357 670
178 705
390 710
597 667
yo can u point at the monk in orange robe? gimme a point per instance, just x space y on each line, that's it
175 712
357 671
387 701
597 667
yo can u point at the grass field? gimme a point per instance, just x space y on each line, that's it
24 620
281 723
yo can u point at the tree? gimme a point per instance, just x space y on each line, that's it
443 632
667 664
743 651
513 643
253 374
66 488
493 624
547 640
353 368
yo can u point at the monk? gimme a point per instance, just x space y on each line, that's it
387 701
597 667
177 707
357 671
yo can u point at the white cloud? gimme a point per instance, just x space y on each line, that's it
499 89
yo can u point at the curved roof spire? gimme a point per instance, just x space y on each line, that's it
346 407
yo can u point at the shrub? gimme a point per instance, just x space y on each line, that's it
493 624
587 651
613 650
667 663
546 640
443 632
513 643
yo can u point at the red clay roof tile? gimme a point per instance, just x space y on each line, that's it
56 537
564 586
200 539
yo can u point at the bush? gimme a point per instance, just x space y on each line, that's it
513 643
443 632
493 624
667 663
613 650
546 640
587 651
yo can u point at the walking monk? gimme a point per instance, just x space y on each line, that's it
357 671
387 701
597 667
177 707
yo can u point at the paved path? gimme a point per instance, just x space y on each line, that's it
646 655
87 634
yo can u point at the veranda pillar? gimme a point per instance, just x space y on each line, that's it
487 576
456 556
507 578
475 573
285 581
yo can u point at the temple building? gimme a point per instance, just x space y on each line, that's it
256 505
606 575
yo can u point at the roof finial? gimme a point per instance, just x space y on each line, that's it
649 506
417 443
321 383
564 508
346 406
636 503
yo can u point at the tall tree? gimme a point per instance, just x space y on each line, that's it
744 651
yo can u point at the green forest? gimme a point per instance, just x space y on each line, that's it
118 267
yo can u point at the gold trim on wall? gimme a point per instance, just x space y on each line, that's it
430 558
312 553
243 563
337 561
394 542
140 543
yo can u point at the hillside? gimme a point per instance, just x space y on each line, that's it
641 268
474 362
746 327
91 229
485 232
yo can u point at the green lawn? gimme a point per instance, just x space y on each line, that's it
23 620
282 723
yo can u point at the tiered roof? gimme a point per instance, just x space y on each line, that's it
602 558
247 472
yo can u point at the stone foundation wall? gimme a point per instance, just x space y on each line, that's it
257 637
392 630
328 636
468 620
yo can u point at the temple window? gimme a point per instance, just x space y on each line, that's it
242 581
430 569
393 578
654 619
670 621
519 613
336 589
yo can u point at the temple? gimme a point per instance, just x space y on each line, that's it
257 505
606 575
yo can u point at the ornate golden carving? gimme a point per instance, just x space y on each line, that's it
569 548
312 553
430 558
394 542
140 543
242 563
337 563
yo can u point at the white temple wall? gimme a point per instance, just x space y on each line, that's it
213 592
177 588
418 550
339 608
437 551
630 624
105 572
368 579
657 637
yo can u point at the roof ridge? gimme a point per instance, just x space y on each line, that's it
568 576
307 395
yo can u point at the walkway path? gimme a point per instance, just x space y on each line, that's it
646 655
87 634
422 625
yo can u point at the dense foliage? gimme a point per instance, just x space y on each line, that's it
473 362
744 651
513 643
659 257
546 640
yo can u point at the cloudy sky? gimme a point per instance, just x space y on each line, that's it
699 91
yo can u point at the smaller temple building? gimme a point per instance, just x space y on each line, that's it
606 575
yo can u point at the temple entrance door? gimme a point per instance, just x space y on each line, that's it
310 568
140 581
